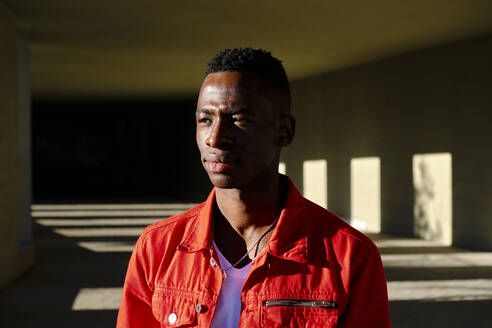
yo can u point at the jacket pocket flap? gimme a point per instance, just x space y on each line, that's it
294 312
172 310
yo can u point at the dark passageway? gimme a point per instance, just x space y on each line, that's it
115 151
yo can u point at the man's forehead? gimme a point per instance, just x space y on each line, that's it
244 89
224 92
231 81
217 97
216 88
229 85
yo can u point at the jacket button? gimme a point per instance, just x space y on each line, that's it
198 308
172 318
212 262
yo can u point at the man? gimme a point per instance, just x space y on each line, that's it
255 253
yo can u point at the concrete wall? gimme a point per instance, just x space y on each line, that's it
15 253
434 101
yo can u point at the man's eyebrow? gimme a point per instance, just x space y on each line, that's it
203 111
241 110
234 111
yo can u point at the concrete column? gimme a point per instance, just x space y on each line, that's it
397 195
24 133
339 186
16 253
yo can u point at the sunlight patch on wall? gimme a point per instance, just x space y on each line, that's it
432 180
365 190
282 168
314 174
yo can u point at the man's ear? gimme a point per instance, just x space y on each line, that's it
287 130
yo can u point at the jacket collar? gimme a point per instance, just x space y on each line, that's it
200 235
289 238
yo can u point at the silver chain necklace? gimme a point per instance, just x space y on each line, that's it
256 245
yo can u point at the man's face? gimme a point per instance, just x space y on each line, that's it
237 130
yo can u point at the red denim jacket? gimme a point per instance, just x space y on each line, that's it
316 271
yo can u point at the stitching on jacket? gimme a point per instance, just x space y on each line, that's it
189 294
173 219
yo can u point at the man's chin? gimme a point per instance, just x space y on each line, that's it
223 181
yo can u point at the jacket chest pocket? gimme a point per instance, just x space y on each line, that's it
308 313
174 311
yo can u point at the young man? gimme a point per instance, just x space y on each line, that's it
255 253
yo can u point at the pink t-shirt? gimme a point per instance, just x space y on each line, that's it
229 305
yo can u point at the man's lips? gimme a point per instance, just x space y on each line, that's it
218 163
219 167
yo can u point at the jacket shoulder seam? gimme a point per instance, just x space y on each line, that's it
171 221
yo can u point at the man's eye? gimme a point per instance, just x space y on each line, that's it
204 120
240 119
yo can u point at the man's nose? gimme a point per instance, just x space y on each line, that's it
219 135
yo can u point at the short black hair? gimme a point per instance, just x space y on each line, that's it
247 59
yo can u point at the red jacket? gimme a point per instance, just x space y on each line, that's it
316 271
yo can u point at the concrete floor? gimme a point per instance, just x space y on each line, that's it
82 253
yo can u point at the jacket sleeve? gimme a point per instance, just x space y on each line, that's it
368 297
136 303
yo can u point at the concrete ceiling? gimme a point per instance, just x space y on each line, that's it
127 48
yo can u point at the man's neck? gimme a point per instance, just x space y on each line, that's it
250 207
242 215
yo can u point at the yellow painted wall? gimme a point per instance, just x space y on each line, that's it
432 101
13 259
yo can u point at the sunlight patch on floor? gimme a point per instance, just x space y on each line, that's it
103 213
440 291
107 246
99 232
405 242
58 207
433 291
429 260
97 299
98 222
